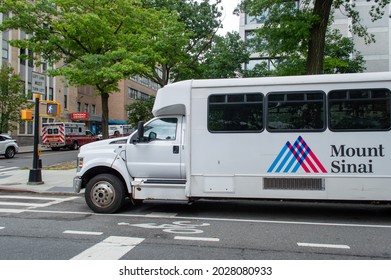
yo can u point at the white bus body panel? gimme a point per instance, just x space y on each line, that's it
238 165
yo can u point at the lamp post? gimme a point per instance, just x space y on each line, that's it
35 176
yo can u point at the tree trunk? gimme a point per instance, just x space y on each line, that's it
316 43
105 115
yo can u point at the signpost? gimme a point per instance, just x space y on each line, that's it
38 89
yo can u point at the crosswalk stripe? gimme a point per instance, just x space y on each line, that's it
21 204
8 168
35 197
15 211
112 248
37 202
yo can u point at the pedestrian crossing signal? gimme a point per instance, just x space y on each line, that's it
53 109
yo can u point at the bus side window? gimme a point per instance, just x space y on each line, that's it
359 110
234 113
296 111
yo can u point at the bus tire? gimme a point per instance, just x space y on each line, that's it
105 193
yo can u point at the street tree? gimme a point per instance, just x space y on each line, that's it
12 99
225 57
300 26
140 110
340 57
92 42
179 56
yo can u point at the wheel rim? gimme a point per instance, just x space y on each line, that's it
102 194
10 153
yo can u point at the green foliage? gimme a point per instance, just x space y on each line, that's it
293 29
340 56
98 42
12 99
140 110
181 53
225 57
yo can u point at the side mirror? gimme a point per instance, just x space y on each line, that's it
152 136
140 131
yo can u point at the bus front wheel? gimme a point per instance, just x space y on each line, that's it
105 193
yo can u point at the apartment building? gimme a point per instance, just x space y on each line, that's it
377 56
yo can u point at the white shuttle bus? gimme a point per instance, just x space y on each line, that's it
320 137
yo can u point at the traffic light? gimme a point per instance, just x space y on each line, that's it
53 108
27 115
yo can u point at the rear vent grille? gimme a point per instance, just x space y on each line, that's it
302 184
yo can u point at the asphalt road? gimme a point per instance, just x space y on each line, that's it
25 160
36 227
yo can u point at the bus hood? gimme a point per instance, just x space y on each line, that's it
102 143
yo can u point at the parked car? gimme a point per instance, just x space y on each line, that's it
8 146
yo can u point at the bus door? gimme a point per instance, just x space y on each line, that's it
161 153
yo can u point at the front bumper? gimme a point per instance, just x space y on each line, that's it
77 181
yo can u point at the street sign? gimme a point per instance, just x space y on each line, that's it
38 83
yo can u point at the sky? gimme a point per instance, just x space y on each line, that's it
230 21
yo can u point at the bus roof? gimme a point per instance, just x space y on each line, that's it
294 80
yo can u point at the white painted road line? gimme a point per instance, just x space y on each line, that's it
15 211
37 197
8 168
1 227
112 248
161 215
319 245
21 204
190 238
83 232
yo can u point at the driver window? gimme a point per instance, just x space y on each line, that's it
161 129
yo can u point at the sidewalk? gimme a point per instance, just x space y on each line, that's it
53 181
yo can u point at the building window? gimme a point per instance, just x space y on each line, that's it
86 107
266 63
65 101
135 94
5 49
93 109
31 60
29 91
78 106
47 120
256 19
22 52
26 128
51 95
